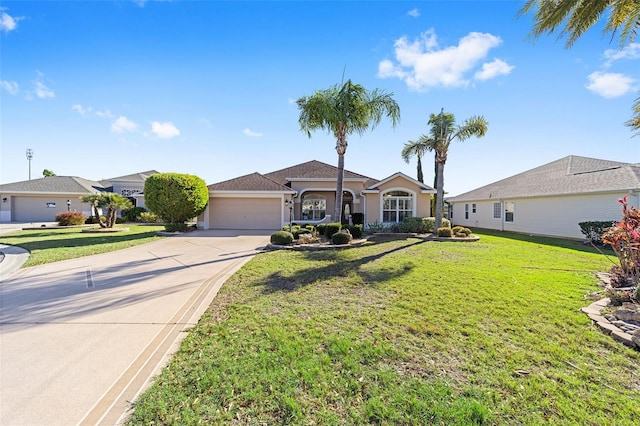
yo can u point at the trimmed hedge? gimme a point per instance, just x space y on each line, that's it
356 231
331 228
281 238
444 231
340 238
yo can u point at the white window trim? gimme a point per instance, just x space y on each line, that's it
412 194
315 197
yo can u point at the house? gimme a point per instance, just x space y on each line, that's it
551 199
305 193
40 200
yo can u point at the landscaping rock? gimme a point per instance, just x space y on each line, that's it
628 312
635 337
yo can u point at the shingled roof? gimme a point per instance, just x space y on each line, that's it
569 175
54 184
135 177
314 170
251 182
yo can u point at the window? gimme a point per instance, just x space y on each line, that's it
450 211
509 211
314 207
473 208
396 205
496 210
466 211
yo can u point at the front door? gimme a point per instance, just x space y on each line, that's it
347 208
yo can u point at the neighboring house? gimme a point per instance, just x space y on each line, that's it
40 200
551 199
258 201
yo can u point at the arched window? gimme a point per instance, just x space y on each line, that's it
314 207
396 205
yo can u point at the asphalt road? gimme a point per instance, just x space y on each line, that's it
80 339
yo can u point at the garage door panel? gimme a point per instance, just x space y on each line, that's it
245 213
37 209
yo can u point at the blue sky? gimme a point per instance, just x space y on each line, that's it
100 89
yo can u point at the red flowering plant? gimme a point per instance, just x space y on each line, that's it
624 238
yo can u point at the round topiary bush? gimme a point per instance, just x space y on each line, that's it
281 238
340 238
300 231
444 231
70 218
331 228
356 231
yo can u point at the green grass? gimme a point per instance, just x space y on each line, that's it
53 245
403 332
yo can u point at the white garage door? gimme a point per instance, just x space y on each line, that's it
245 213
38 209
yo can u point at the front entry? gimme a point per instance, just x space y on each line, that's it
347 207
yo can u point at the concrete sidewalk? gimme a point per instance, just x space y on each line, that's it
81 338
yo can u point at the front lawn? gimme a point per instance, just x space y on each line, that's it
55 244
403 332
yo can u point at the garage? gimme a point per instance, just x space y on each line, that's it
245 213
39 209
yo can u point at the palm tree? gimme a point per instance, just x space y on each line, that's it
443 131
95 201
111 201
415 149
572 18
342 110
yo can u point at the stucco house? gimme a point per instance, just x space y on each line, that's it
305 193
551 199
40 200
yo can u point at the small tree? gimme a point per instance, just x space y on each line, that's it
111 201
47 173
175 197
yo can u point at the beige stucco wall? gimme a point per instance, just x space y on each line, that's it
553 216
422 202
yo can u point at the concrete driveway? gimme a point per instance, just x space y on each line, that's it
81 338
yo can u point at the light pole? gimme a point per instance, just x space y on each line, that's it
289 204
68 205
29 157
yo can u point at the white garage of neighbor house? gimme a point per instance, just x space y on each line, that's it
551 199
41 200
305 193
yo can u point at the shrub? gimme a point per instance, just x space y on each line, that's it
357 218
175 197
70 218
300 231
132 214
176 227
332 228
307 239
444 231
430 223
457 229
593 230
148 217
375 227
321 228
624 237
340 238
467 231
281 238
92 220
356 231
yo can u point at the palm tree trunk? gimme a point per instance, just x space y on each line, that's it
339 182
420 175
440 194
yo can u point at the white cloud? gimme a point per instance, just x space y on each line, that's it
610 85
105 114
422 64
630 51
249 132
8 22
414 12
10 87
123 124
42 91
81 110
493 69
164 130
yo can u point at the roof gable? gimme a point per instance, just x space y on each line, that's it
419 184
313 170
569 175
135 177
